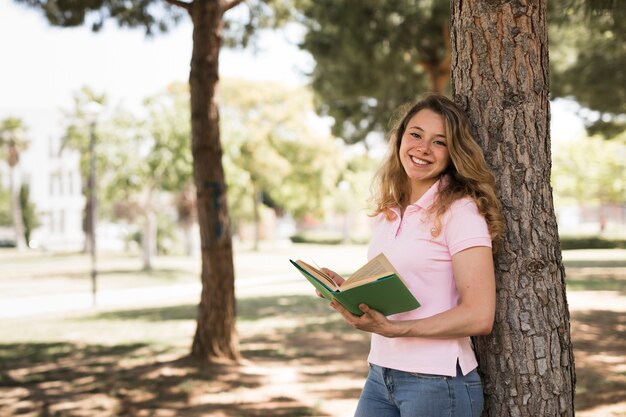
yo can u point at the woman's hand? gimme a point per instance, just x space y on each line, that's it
334 276
371 321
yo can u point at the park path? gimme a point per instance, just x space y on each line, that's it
266 272
262 273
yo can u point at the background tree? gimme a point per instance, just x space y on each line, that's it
591 171
588 53
371 56
77 136
5 208
354 190
277 153
215 335
500 78
152 162
13 142
29 215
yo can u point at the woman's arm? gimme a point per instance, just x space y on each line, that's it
474 315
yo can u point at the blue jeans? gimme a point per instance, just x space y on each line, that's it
393 393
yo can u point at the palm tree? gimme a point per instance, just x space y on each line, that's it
13 142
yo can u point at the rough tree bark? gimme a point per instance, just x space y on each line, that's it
215 336
500 77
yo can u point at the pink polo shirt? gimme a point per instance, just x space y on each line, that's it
425 263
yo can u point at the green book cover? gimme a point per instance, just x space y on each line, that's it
386 293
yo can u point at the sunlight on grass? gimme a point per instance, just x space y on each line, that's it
301 359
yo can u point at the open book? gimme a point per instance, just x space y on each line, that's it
376 284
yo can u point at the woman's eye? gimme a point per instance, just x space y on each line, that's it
440 143
416 135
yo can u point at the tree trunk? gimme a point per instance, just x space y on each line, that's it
438 69
87 224
500 77
188 237
149 239
215 336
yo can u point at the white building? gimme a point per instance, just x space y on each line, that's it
55 189
56 192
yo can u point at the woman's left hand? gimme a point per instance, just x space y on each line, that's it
371 321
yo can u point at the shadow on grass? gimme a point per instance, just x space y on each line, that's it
65 379
298 336
293 335
248 310
599 339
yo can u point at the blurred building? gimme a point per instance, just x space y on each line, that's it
54 179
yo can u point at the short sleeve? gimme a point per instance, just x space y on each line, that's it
464 227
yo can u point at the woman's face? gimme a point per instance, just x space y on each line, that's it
424 151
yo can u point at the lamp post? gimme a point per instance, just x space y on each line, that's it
92 110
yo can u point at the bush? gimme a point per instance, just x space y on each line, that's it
591 242
321 238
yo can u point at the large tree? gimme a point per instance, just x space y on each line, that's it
500 78
215 335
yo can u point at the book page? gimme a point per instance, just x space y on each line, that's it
322 277
378 267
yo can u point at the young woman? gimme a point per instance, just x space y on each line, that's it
436 216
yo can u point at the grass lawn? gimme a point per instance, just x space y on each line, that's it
300 358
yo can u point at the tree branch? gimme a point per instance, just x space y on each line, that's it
229 4
179 3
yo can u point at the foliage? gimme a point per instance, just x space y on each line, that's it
588 52
29 216
152 162
372 56
151 152
166 237
355 182
12 140
79 122
318 238
168 122
272 144
590 171
153 16
5 208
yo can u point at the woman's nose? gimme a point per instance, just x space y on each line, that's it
423 146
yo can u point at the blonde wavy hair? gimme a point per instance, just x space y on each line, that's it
467 172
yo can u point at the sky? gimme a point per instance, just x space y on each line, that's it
42 66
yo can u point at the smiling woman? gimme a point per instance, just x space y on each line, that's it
436 217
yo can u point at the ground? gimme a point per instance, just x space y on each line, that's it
128 355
